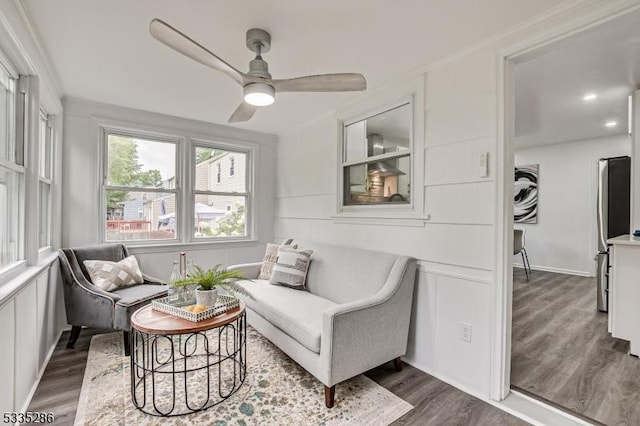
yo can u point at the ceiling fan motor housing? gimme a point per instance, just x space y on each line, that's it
259 68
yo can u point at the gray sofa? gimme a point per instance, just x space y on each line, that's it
354 316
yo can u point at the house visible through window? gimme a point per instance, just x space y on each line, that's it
140 194
220 209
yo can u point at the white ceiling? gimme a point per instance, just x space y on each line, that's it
102 49
552 81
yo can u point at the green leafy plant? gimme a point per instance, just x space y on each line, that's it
215 277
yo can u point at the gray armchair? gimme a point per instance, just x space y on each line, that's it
88 305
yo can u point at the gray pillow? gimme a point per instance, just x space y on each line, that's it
291 268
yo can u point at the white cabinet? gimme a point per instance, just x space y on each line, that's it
624 290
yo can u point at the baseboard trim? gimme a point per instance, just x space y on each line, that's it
556 270
34 388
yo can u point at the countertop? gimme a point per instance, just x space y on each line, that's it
628 240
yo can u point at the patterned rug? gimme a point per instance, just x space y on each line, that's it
276 391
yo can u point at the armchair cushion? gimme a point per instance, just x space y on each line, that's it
109 276
132 298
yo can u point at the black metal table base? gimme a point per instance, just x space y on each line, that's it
174 375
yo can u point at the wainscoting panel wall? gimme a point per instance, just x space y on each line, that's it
32 319
7 357
456 244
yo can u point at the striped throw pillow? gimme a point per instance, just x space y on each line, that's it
110 276
270 256
291 268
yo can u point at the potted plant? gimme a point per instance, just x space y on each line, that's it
208 282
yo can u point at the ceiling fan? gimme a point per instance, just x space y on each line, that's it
258 86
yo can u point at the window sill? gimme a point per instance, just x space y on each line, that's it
21 275
413 222
178 247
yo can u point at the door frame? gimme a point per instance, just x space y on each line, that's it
569 19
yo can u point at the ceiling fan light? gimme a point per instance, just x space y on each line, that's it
259 94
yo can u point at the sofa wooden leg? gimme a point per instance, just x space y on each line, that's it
127 343
329 395
73 336
397 363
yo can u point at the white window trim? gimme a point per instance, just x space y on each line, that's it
106 130
413 213
184 158
50 144
232 147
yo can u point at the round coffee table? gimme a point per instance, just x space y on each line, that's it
180 367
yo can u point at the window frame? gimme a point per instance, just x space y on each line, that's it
249 193
104 186
17 121
49 146
380 208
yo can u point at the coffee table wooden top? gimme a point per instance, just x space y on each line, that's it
149 321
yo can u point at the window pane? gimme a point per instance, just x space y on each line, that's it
220 171
139 215
140 162
378 182
219 216
11 211
45 148
7 116
45 201
384 133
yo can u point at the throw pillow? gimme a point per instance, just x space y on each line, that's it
270 256
110 276
291 268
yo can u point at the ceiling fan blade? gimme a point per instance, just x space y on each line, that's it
180 42
244 112
345 82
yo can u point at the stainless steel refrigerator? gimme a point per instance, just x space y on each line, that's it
614 189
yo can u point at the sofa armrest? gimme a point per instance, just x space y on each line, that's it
363 334
250 270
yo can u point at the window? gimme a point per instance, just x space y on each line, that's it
45 167
218 176
12 175
220 210
232 166
376 158
140 192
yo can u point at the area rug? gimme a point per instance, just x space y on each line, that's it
276 391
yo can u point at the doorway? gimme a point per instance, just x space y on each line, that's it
570 111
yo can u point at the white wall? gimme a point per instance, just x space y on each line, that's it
455 247
81 191
565 237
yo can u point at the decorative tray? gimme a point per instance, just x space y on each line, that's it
176 308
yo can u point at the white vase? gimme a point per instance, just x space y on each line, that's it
206 297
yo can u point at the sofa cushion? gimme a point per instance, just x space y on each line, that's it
297 313
344 274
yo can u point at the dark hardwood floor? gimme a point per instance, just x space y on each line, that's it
435 402
561 350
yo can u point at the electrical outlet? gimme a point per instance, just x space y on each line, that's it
465 332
